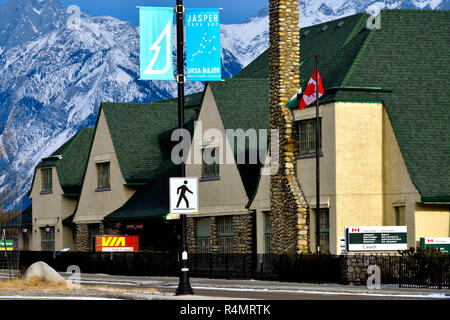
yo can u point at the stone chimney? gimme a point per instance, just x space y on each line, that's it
289 210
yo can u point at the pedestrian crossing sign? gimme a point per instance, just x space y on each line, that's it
183 195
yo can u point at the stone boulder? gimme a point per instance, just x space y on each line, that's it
43 272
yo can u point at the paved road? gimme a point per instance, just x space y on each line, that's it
270 290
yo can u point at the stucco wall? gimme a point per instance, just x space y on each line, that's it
260 204
93 205
432 221
306 170
359 165
398 188
50 209
226 195
351 170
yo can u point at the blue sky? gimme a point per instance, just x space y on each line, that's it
234 11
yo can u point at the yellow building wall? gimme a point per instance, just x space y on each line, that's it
93 206
359 167
306 171
432 221
350 170
363 176
398 188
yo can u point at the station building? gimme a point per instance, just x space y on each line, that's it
384 150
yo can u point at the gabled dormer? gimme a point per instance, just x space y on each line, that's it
55 191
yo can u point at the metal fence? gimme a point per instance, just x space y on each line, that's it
430 272
414 271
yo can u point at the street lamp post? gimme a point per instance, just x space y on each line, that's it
184 287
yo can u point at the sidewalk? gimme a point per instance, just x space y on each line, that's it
257 285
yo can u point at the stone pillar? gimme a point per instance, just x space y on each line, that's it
214 242
242 231
191 234
289 210
82 237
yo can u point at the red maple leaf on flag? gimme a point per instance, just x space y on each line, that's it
309 96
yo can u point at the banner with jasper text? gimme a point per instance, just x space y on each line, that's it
203 60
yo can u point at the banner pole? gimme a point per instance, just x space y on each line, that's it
184 287
317 159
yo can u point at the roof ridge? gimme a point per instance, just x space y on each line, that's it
74 138
138 103
437 11
355 29
331 21
363 47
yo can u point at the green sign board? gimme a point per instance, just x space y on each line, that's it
9 243
6 244
376 238
443 244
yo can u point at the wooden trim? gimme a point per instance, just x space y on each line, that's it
209 179
308 156
103 189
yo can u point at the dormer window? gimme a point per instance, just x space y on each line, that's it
103 176
210 164
46 174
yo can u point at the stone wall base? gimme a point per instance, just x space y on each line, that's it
354 265
242 233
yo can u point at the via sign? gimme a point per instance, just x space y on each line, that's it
9 244
384 238
443 244
116 243
183 195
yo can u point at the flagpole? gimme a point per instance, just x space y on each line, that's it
317 159
184 287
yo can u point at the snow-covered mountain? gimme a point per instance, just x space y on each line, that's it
54 77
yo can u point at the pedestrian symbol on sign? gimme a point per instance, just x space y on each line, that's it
184 195
182 190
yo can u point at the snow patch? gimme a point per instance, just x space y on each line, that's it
37 11
420 3
434 3
122 77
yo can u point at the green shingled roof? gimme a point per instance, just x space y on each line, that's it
70 160
141 135
135 129
403 65
242 103
149 202
23 219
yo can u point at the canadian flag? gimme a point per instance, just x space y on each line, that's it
309 96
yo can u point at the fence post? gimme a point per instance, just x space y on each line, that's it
244 258
210 265
261 262
226 270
